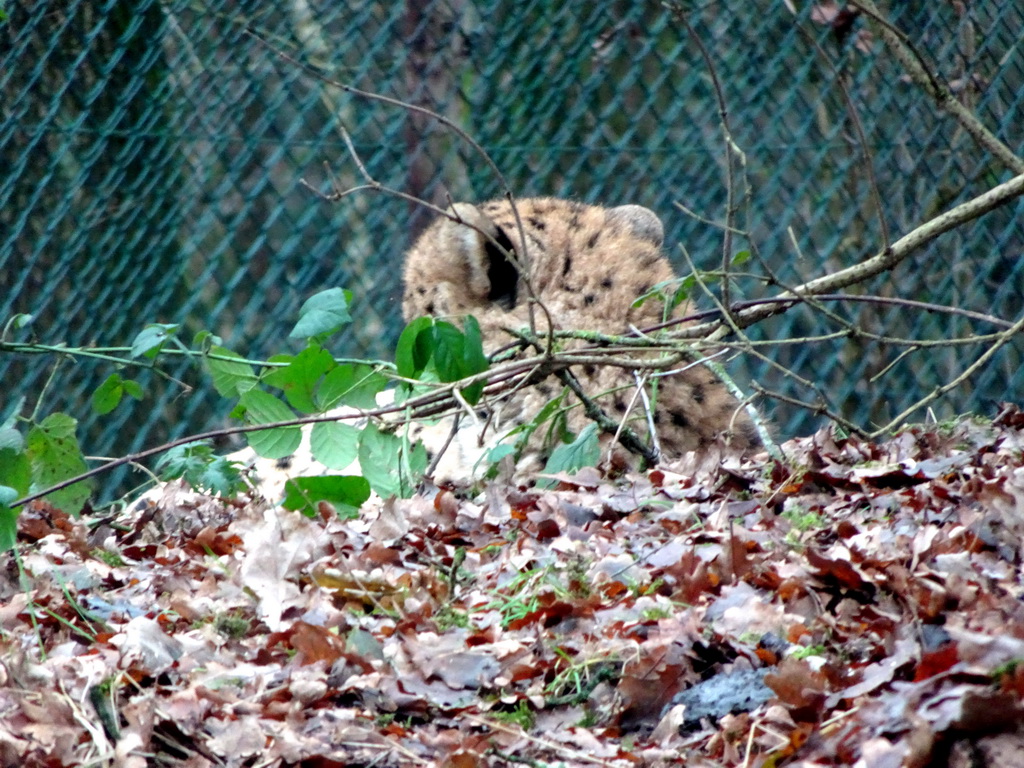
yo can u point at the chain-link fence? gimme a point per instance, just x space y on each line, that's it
159 162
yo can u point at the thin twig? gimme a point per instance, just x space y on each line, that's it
919 70
450 125
818 408
883 261
858 127
948 386
627 437
731 149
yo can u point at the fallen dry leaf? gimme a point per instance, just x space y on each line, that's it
857 604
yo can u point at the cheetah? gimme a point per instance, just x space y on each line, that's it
587 265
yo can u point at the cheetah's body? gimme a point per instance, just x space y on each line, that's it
587 265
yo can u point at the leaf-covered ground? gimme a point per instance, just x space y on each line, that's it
855 604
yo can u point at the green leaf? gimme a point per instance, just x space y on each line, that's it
391 464
108 394
151 339
657 291
474 359
741 257
230 378
220 476
499 452
682 293
354 385
346 493
263 408
448 349
454 354
323 314
180 459
333 444
8 527
11 438
298 380
133 389
13 412
55 456
552 411
15 469
17 322
584 451
411 357
202 470
204 340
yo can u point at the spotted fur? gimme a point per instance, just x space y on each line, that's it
587 265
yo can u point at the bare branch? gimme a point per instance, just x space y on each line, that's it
929 82
862 140
819 408
731 150
881 262
938 392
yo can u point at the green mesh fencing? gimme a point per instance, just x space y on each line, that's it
158 162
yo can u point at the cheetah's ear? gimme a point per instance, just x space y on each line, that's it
482 245
642 222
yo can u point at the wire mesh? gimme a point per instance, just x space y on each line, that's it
158 162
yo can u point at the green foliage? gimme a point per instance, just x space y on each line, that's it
551 417
447 617
8 521
15 472
323 314
431 348
15 477
803 653
151 340
263 408
346 493
672 292
283 389
584 451
54 456
300 375
233 625
231 376
113 559
110 393
310 382
802 519
656 613
313 382
201 468
47 456
677 290
16 322
391 464
520 715
354 384
335 445
521 596
578 678
499 452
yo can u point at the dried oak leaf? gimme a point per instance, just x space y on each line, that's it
800 687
